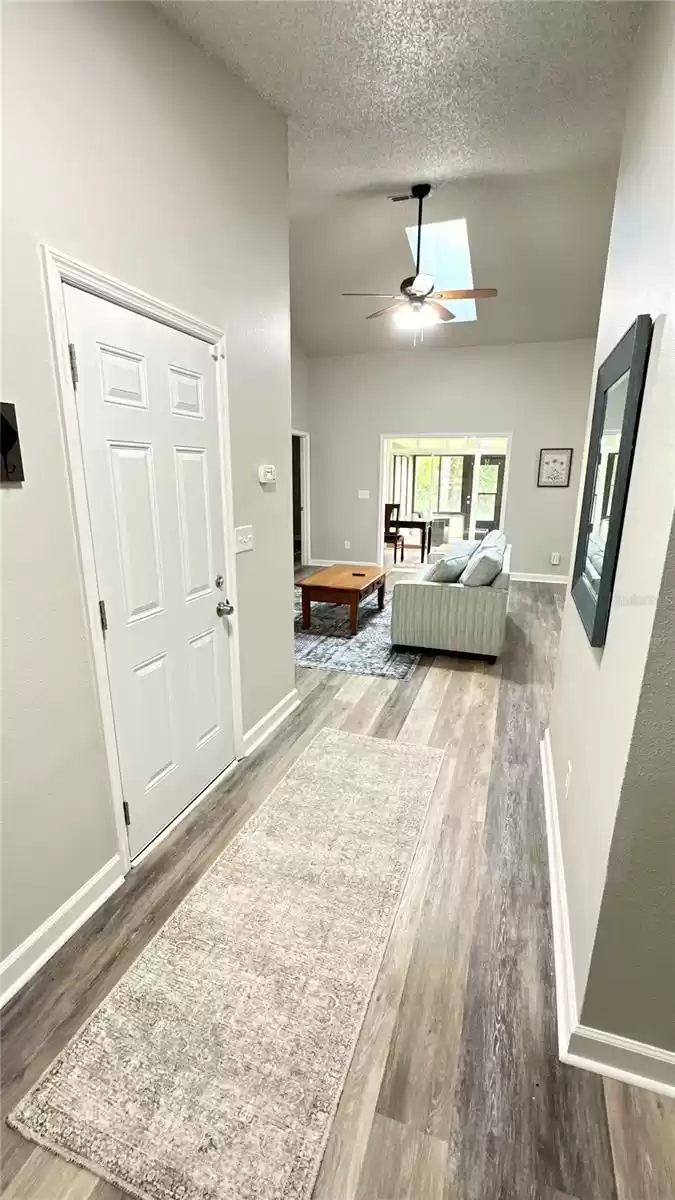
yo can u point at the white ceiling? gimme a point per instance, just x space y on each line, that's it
515 108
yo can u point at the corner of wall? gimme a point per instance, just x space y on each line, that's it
581 1045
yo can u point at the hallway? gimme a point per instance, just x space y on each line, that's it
455 1091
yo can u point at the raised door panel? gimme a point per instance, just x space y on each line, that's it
193 511
152 700
206 687
186 392
123 377
137 523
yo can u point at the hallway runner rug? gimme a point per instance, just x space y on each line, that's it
213 1069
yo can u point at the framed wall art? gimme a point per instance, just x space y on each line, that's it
555 466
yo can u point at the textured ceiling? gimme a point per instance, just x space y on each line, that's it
541 240
384 92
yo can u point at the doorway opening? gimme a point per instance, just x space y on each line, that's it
300 496
441 489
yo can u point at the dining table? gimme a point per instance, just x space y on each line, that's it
424 526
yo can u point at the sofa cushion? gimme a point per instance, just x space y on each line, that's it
449 568
486 561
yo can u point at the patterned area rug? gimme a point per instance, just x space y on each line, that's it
328 643
213 1069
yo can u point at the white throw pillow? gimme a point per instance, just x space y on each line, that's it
449 568
486 561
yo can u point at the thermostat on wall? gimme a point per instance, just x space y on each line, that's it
267 474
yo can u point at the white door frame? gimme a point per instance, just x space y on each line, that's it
386 438
306 524
59 269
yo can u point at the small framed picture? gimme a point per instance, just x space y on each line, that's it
555 467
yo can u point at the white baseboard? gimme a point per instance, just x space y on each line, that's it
621 1058
605 1053
526 577
565 988
267 724
342 562
25 961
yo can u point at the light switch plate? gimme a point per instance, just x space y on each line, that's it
267 473
243 539
364 494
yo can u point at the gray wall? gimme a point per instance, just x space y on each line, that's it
631 982
125 146
299 384
596 701
537 393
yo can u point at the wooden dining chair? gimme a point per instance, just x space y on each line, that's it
392 534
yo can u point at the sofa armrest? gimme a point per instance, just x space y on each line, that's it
448 616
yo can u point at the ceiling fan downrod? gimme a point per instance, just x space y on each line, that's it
419 192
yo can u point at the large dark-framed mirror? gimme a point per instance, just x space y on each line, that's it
618 396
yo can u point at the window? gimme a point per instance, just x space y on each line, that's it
426 482
458 481
489 494
451 483
608 490
439 484
445 256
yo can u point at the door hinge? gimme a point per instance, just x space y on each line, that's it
73 363
125 809
103 615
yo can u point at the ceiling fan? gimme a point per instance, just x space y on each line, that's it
418 306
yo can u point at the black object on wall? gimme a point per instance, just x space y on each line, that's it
11 463
616 412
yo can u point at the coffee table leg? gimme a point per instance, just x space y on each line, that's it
380 595
423 543
305 609
354 613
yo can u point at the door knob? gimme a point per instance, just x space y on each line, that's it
224 608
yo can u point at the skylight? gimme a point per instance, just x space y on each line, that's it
445 256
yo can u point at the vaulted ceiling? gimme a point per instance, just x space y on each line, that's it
514 110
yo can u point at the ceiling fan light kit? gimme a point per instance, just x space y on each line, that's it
417 305
408 316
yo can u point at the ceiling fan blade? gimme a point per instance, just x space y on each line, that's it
373 295
388 308
443 313
466 294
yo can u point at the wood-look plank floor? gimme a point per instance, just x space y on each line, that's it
455 1091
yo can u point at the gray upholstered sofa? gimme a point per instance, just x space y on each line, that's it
450 616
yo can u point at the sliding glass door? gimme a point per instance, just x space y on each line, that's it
489 493
451 489
454 494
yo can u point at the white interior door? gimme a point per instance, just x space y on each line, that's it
147 409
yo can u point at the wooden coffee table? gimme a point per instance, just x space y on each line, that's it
342 585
